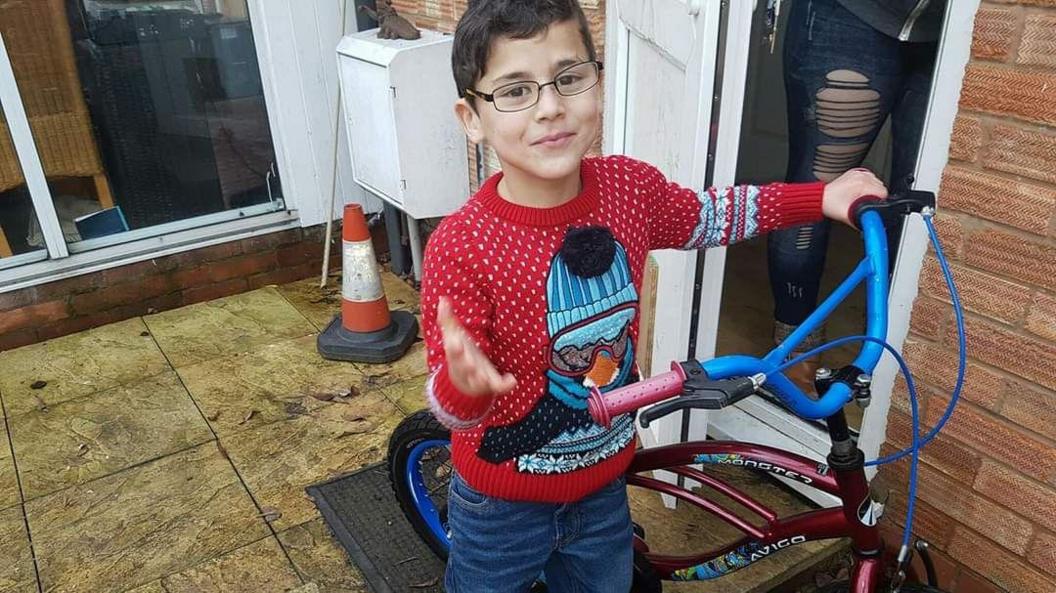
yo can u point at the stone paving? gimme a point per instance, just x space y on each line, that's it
169 453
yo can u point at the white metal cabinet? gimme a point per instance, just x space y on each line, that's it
406 143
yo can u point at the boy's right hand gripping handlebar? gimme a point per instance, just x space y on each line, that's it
726 380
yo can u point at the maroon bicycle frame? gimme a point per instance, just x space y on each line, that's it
854 519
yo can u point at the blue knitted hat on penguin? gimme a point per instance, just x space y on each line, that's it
572 298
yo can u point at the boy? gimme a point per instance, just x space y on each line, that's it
530 298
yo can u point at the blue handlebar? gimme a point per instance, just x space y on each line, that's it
873 271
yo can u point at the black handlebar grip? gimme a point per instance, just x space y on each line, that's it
854 211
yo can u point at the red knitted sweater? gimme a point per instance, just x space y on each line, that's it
551 296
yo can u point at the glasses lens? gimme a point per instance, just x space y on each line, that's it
516 96
577 79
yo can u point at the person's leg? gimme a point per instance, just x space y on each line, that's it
497 546
907 122
840 80
595 546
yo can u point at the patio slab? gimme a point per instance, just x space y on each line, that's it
77 365
90 437
259 567
226 326
408 395
320 559
410 366
152 587
318 305
9 495
278 461
276 382
16 570
401 295
138 508
143 523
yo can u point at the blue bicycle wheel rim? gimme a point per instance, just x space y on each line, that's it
420 494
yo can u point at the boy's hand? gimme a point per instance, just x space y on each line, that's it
467 368
845 190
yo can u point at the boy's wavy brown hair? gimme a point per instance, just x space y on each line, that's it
486 20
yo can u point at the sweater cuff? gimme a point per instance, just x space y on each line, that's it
452 408
799 203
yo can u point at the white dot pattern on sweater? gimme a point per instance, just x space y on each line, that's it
494 269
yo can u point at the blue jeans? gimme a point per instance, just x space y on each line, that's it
843 79
500 546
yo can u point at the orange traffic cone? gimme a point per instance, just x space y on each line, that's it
365 330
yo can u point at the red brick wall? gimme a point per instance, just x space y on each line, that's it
443 15
67 306
987 496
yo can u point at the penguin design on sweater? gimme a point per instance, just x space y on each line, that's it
591 306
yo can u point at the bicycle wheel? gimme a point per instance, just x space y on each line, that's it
419 472
844 587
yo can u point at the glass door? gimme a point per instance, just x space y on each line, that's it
146 117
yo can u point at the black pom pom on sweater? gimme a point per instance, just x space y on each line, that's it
588 251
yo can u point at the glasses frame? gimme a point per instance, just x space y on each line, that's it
490 97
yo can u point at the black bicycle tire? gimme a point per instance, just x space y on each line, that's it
417 427
645 579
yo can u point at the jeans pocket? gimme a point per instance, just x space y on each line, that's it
464 495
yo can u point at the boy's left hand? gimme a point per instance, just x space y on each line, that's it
845 190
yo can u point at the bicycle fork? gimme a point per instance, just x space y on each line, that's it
861 512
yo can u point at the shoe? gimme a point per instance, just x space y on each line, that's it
802 374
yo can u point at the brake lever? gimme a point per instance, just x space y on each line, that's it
682 402
703 394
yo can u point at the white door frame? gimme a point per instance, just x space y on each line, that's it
954 51
754 419
726 151
297 52
677 268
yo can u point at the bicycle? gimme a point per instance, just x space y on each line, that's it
419 462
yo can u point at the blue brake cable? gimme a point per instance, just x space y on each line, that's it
917 442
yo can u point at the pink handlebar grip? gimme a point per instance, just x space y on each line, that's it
604 407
